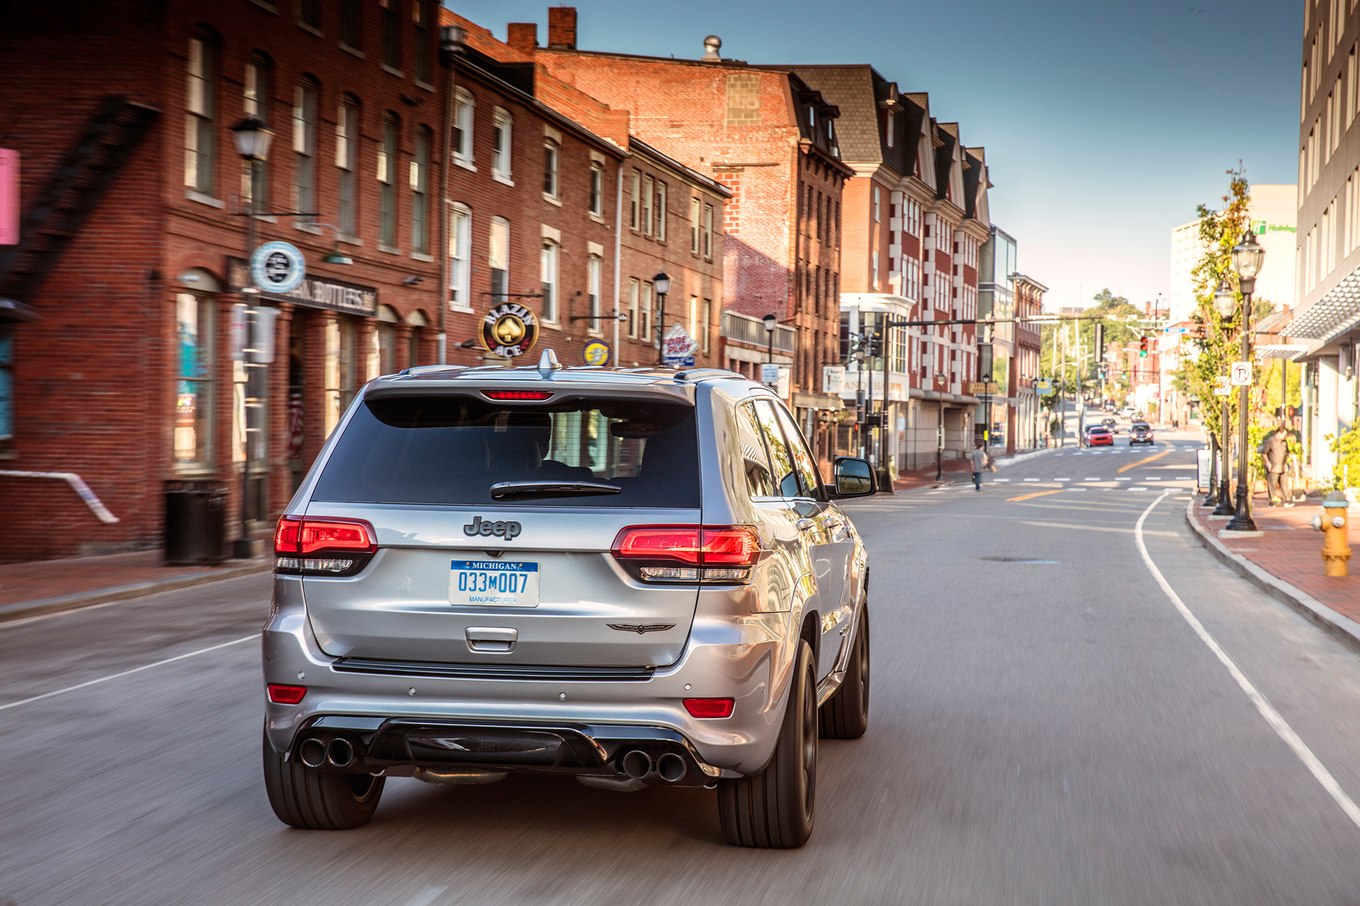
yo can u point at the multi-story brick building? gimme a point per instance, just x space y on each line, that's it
126 352
915 216
134 231
599 213
1028 426
771 140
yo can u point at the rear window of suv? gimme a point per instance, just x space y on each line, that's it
450 450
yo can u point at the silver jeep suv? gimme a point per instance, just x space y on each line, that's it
632 577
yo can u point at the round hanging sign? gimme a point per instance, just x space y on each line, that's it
595 352
277 267
509 330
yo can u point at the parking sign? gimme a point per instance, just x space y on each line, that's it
1240 374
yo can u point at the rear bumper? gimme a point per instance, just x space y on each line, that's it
419 718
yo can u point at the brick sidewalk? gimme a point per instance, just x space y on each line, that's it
1290 550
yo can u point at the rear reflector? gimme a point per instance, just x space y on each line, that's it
280 694
526 395
709 708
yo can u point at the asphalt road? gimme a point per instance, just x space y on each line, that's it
1050 725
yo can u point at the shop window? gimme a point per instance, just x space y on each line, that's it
6 387
340 370
194 369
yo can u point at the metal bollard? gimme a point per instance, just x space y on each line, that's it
1332 523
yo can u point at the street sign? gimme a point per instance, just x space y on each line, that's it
1221 386
1043 387
983 388
1240 374
833 379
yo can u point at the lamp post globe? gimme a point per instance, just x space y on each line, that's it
771 322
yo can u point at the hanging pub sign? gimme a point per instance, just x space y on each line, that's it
277 267
509 330
595 352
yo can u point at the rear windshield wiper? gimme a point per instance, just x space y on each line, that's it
503 490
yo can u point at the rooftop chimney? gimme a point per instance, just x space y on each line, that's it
523 37
562 27
712 44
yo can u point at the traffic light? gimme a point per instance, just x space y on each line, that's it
873 345
1142 347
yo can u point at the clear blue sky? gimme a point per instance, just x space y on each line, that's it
1105 122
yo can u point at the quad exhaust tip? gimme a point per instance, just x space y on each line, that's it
668 766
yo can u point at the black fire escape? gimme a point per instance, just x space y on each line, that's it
71 194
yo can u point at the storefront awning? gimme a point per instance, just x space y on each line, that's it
1291 351
1335 313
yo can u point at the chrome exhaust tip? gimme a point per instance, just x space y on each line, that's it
636 764
340 752
312 752
671 767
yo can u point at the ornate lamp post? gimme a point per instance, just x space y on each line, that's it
771 322
1247 257
252 139
1225 302
661 283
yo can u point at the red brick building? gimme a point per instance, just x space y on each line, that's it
771 140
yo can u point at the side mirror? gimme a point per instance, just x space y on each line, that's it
853 477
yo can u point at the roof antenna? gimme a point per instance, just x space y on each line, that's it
547 363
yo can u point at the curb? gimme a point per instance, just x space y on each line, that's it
1342 627
42 606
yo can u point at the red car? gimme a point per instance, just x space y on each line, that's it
1099 436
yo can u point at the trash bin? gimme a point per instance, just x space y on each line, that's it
195 522
884 481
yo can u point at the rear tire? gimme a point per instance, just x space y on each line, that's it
773 809
846 714
318 800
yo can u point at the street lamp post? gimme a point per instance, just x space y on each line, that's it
771 322
1225 301
252 139
661 284
1247 256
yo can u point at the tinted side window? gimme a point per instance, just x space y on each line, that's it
802 457
785 475
449 450
755 458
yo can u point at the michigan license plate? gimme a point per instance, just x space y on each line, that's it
494 583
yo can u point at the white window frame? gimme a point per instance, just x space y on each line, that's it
552 158
648 187
460 256
502 145
660 211
595 200
550 262
464 116
498 256
594 274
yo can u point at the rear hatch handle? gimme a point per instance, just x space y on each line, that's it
491 639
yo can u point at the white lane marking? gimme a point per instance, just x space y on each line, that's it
1031 479
1181 478
1152 478
1266 709
114 676
1062 479
1003 480
1125 478
1078 489
1089 478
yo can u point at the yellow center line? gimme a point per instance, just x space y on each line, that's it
1143 462
1035 494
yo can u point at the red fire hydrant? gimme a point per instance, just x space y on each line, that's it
1336 550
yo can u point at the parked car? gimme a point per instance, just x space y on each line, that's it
1099 436
1140 433
631 577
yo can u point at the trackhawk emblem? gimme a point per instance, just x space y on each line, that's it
640 628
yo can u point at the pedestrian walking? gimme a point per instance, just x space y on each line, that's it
1275 455
980 461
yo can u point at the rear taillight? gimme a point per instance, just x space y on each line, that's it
321 546
689 553
517 395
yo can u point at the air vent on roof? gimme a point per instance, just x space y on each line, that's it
712 44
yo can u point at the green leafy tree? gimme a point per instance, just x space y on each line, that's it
1062 341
